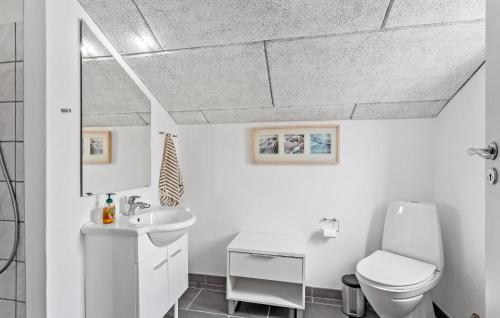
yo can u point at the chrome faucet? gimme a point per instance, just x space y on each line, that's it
133 205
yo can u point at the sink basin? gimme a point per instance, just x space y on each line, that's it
163 225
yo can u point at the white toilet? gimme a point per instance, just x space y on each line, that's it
397 280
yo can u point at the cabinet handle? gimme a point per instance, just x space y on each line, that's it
176 252
161 264
264 255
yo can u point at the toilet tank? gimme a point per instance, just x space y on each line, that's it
412 229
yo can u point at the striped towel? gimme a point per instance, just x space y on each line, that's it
171 186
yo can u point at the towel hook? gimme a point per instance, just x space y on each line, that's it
163 133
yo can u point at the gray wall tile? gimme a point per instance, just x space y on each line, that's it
9 153
181 24
21 282
7 308
19 161
8 281
20 199
20 310
6 239
7 82
19 41
7 121
20 81
6 209
410 12
21 255
7 42
428 63
19 121
207 78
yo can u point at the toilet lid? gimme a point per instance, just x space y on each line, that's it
394 270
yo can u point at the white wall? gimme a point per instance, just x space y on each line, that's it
130 161
66 210
381 161
459 192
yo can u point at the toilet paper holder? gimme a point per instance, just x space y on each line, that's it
335 224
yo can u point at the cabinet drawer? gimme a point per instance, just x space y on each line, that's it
279 268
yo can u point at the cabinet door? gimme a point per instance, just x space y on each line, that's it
153 285
178 268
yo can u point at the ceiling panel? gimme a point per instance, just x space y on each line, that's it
427 63
413 12
146 117
426 109
194 23
123 25
207 78
279 114
107 88
192 117
112 120
91 46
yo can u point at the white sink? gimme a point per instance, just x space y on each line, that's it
163 225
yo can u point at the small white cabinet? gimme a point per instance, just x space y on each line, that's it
266 269
130 277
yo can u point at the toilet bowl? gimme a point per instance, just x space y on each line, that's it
397 279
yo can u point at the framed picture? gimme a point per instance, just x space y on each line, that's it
296 144
96 146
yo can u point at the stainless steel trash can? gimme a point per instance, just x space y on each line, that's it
353 299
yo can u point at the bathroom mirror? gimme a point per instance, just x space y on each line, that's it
115 123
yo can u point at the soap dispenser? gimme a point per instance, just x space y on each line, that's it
108 212
96 212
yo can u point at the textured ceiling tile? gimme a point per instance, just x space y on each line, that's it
278 114
123 25
428 63
207 78
193 23
107 88
426 109
7 42
413 12
195 117
91 46
146 117
19 41
112 120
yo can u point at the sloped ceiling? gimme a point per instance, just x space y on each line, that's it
223 61
109 96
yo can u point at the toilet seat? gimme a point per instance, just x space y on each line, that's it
393 271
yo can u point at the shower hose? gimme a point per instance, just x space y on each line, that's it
16 213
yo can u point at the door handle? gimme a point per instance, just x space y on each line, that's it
176 252
161 264
490 152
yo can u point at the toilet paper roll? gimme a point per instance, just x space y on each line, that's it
329 232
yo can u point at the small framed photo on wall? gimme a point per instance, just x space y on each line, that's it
96 146
296 144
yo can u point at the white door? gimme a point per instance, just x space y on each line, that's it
493 134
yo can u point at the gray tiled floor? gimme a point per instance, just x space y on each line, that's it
208 303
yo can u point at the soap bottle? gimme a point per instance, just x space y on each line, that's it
96 213
108 212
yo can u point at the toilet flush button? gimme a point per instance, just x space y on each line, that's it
492 176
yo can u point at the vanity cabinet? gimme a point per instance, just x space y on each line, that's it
130 277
